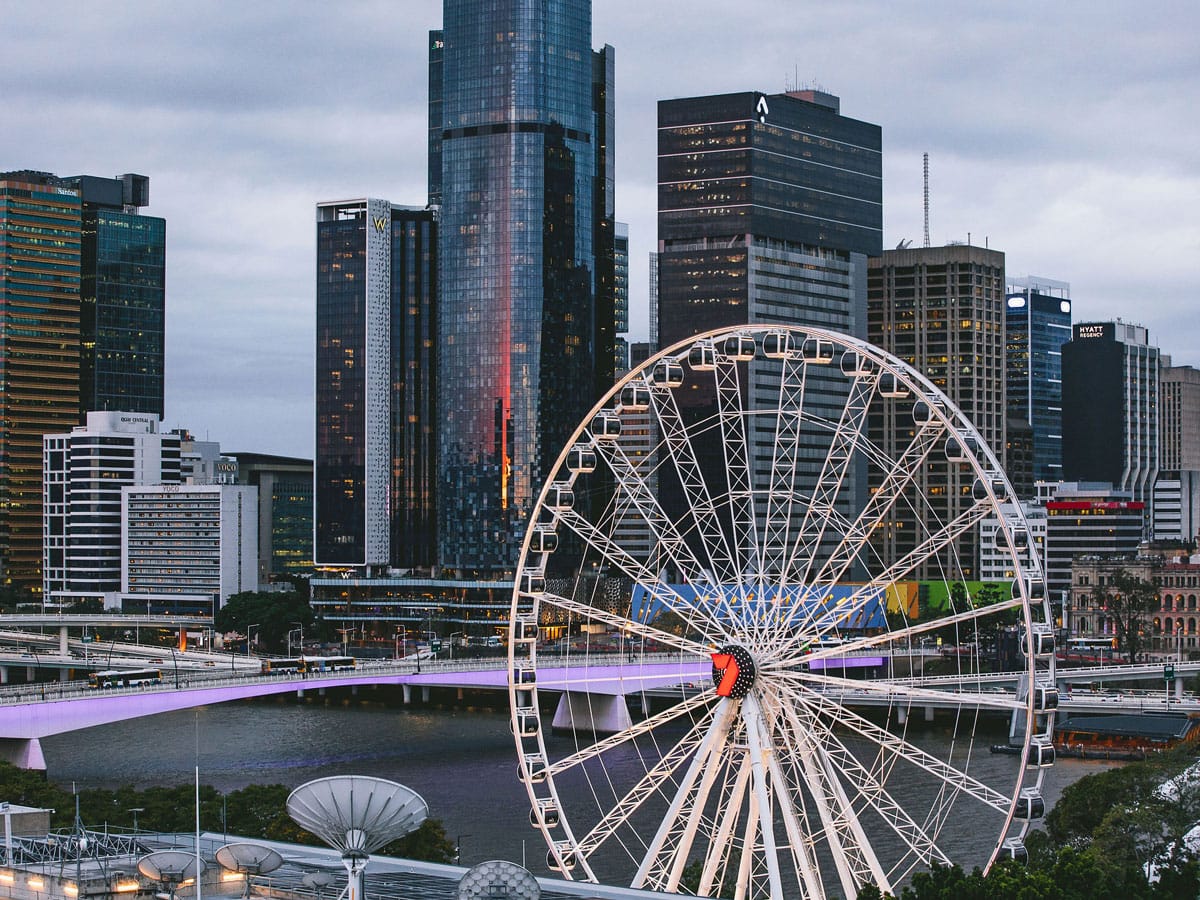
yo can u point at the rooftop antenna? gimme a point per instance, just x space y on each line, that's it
357 815
171 868
926 199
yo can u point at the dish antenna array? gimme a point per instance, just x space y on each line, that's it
171 868
249 859
356 815
498 878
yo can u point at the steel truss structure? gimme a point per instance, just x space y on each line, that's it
762 493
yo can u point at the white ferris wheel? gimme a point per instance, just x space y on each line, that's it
719 642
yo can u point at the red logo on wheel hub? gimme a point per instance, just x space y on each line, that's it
733 672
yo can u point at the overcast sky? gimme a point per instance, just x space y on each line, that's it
1063 133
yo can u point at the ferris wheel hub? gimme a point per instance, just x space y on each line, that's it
733 671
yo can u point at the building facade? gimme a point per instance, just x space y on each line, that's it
940 309
522 145
187 548
1037 322
1110 407
376 356
285 513
84 472
1088 519
1177 488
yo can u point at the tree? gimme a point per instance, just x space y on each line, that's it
274 614
1128 601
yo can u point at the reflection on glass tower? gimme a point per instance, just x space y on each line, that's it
516 372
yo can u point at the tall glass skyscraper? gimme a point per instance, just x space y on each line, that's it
514 83
1037 322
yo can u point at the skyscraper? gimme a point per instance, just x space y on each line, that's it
376 301
1037 322
768 208
39 353
1110 407
522 144
941 309
1177 488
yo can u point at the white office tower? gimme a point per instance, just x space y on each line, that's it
84 472
1177 488
187 548
994 564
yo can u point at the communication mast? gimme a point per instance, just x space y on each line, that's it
926 199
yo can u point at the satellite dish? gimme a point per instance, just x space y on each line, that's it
318 881
170 867
249 859
498 878
357 815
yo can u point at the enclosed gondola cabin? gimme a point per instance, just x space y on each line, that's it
739 347
778 344
667 373
702 357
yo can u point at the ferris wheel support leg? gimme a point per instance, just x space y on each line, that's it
759 749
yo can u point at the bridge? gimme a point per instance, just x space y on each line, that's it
32 711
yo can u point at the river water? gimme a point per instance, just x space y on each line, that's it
462 761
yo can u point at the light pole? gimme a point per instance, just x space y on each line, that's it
300 628
458 847
249 628
451 638
175 663
135 810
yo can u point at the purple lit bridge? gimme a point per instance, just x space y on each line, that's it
596 690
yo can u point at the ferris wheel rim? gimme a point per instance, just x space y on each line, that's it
565 846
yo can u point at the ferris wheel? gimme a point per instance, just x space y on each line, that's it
750 654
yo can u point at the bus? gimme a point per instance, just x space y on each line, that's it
118 678
1097 642
328 663
282 665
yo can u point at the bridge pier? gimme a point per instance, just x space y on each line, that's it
407 691
901 715
64 648
3 674
24 753
424 693
601 713
1179 689
929 714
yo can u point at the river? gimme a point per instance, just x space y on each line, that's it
462 761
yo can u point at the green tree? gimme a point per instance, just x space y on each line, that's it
274 614
1128 601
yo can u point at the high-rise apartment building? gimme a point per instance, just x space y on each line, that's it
1037 322
376 368
40 235
1110 407
621 297
524 144
84 472
940 309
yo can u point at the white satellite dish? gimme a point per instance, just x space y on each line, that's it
249 859
318 881
170 867
357 815
498 878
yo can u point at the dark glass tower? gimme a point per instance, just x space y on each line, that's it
517 307
1037 322
376 375
122 297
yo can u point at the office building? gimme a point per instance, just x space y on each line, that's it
187 548
995 561
122 296
375 466
84 472
285 513
940 309
1177 487
1037 322
1088 519
81 327
1110 407
620 290
525 138
40 235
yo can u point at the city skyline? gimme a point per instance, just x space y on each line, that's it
246 119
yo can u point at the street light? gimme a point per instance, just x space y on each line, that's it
300 628
451 638
135 810
249 628
175 663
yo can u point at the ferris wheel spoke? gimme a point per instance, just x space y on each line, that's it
910 631
705 619
674 829
844 611
716 863
901 692
785 457
646 726
649 785
677 439
908 752
872 789
845 439
761 751
626 624
853 857
732 418
899 479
